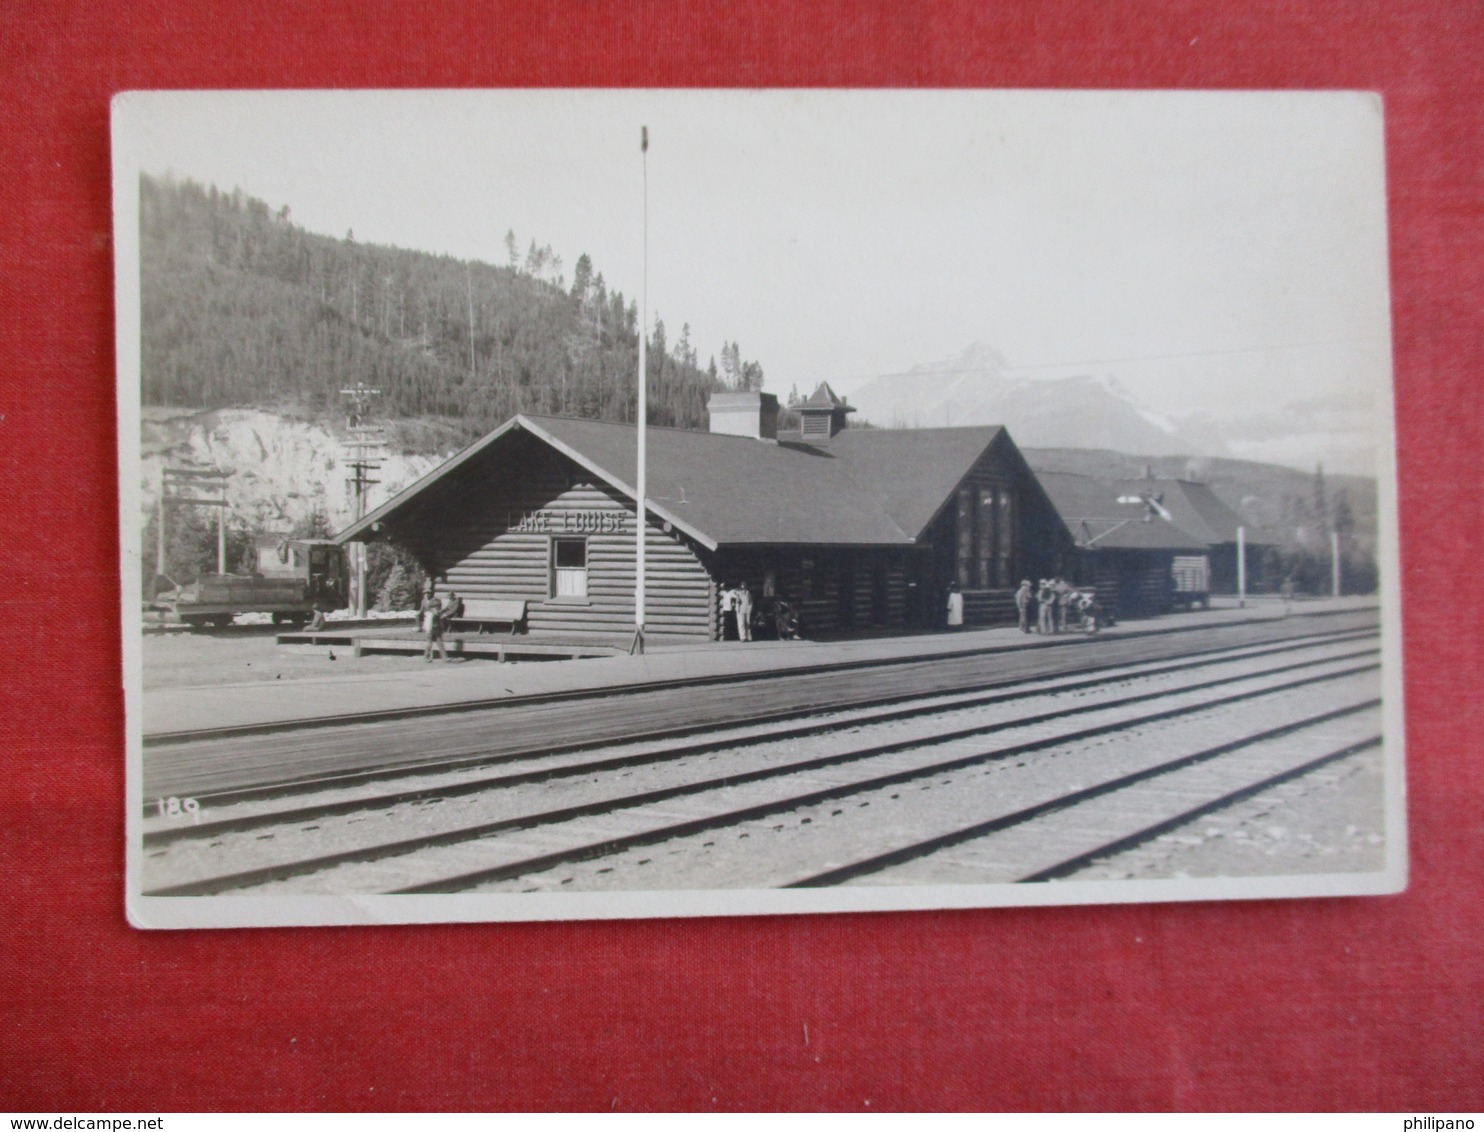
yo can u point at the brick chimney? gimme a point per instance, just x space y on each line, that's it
744 414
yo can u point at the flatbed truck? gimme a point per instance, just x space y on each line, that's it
294 579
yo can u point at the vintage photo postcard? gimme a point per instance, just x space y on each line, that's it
1005 513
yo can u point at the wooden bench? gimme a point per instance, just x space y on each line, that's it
486 611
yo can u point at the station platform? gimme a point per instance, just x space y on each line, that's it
447 685
494 646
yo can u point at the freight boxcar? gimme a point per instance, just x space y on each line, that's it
1192 578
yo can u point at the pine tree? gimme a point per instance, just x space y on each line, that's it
1341 514
582 277
239 306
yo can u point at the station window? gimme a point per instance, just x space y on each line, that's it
1006 524
986 537
965 538
984 555
569 567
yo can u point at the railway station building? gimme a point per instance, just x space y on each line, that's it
1197 510
1148 544
859 530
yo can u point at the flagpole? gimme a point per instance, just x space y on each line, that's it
643 485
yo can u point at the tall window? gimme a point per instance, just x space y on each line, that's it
1006 526
986 539
984 558
569 567
966 538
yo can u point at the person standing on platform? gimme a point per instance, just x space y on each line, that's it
955 607
744 613
1023 605
453 609
1063 603
430 617
728 609
1046 608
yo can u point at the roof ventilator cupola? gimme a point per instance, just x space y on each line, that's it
823 413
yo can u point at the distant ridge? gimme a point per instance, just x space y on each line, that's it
978 386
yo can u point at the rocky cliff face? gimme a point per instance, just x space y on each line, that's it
282 469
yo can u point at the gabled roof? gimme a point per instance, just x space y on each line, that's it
868 488
1194 507
911 472
1094 516
824 397
732 489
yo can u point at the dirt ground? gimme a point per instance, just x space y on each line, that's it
187 659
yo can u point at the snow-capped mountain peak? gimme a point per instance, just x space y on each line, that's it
980 386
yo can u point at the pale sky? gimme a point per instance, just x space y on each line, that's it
1212 251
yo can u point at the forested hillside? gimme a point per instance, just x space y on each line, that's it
242 307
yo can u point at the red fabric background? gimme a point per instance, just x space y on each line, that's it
1371 1003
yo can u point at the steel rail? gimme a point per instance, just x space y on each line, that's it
339 808
172 738
466 759
707 824
943 841
285 870
1075 864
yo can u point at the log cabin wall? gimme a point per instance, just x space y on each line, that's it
1134 583
494 530
1155 582
1103 575
833 589
968 547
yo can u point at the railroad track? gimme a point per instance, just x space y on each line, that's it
260 763
879 794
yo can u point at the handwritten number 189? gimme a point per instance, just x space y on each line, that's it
179 808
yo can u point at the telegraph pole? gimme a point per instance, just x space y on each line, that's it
1242 567
363 451
1334 562
159 541
643 485
221 531
187 486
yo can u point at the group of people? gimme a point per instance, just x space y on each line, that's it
737 600
435 616
1053 603
773 615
